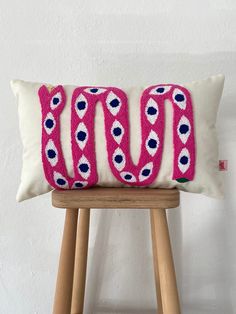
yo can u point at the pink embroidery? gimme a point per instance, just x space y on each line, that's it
115 107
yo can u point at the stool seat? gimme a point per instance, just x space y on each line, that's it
71 278
99 197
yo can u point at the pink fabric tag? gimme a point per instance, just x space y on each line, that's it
223 165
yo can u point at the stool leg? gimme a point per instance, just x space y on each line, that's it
155 263
168 285
82 238
62 299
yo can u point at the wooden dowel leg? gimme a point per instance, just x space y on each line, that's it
168 285
62 299
80 266
155 263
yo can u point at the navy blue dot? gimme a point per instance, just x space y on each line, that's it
184 160
152 143
146 172
55 100
81 135
81 105
114 103
93 90
118 159
184 128
84 167
51 153
49 123
61 181
152 111
179 97
117 131
128 177
160 90
78 185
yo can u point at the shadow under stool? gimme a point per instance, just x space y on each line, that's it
71 278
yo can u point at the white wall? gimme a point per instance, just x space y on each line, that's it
117 42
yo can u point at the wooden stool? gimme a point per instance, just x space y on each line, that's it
70 287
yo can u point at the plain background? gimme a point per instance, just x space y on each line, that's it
117 42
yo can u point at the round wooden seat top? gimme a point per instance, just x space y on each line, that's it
100 197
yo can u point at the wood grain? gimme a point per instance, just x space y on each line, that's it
99 197
63 293
155 262
80 266
165 264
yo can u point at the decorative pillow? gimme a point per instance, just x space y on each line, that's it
75 137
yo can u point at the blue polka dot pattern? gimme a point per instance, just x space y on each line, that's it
152 143
79 184
114 103
184 128
160 90
81 105
61 181
83 167
55 100
49 123
152 111
118 158
81 135
179 97
184 160
95 90
128 177
51 153
146 172
117 131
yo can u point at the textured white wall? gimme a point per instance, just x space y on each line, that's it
118 42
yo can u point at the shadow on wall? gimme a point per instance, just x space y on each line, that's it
126 266
204 263
111 287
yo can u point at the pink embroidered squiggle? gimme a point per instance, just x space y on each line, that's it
115 107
